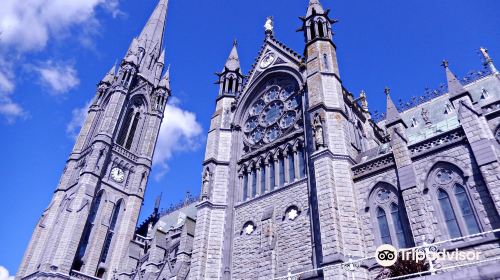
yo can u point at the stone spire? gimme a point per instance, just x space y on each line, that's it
392 114
454 86
488 61
314 7
110 76
151 38
165 80
233 61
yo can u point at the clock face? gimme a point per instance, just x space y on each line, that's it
117 174
267 60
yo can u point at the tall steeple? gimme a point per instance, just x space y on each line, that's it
151 37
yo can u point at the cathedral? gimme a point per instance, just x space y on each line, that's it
299 179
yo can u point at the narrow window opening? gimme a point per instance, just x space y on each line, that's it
111 232
282 171
263 178
448 214
385 234
132 131
466 209
312 30
254 182
82 248
302 165
125 126
245 186
291 167
321 31
230 85
271 175
398 226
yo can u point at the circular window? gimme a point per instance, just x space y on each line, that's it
274 113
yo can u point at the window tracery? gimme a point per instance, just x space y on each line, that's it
454 203
388 212
273 114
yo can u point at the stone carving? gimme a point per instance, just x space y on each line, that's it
293 214
425 116
318 132
269 26
205 183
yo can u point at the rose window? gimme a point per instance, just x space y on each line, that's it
273 114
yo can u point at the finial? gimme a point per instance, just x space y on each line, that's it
487 60
445 63
235 42
387 90
269 26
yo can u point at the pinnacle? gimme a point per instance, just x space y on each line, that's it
454 86
233 61
314 5
110 75
392 112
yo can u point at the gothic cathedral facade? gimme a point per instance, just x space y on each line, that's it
299 180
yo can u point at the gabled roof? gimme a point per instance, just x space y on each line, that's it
271 43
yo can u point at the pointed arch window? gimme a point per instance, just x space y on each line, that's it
230 85
262 178
254 182
291 166
281 163
385 234
321 31
466 209
245 186
89 225
448 213
398 226
312 30
392 225
129 126
456 209
302 163
111 232
272 179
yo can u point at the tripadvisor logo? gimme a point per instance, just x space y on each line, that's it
387 255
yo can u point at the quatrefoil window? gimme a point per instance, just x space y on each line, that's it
444 176
383 195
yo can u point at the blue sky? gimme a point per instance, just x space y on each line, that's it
52 54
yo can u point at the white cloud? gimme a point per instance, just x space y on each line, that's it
4 274
180 131
58 77
77 120
29 24
10 110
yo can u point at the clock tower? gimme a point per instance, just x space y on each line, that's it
86 229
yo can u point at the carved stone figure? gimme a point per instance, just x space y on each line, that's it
205 183
318 132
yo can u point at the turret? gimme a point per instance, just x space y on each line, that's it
231 78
